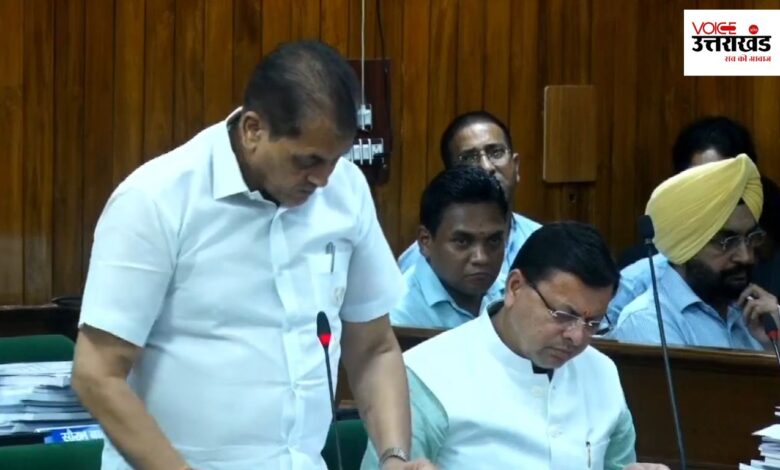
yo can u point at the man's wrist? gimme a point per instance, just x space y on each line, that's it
394 453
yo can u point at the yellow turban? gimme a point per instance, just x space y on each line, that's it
689 208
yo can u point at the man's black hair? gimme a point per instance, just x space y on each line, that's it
302 80
459 185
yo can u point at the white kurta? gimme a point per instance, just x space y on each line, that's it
221 288
501 414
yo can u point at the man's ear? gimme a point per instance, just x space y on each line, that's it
516 164
253 129
424 239
514 282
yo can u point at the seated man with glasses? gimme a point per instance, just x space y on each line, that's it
706 225
703 141
479 139
521 387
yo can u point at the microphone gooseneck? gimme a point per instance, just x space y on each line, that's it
324 335
770 328
647 232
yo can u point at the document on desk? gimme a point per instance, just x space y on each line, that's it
54 374
38 395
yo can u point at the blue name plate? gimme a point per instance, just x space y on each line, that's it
74 434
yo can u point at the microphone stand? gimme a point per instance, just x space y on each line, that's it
324 337
770 328
664 348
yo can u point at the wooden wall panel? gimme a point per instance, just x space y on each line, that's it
38 147
413 134
525 108
497 83
442 83
12 135
305 19
388 197
217 61
247 42
98 118
129 34
625 69
68 233
158 77
89 89
471 53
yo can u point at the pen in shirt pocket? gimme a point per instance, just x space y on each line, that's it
587 447
330 249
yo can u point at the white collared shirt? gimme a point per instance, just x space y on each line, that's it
497 412
222 288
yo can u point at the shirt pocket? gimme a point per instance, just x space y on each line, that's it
330 270
596 453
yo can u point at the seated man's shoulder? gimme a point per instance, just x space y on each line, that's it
640 305
641 267
525 222
412 306
640 311
449 340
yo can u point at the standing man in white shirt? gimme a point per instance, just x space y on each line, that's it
198 346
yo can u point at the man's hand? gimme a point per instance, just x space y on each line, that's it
646 466
419 464
754 302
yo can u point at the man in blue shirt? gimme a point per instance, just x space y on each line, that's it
462 235
706 140
706 227
482 140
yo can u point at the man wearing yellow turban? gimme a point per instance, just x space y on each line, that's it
705 221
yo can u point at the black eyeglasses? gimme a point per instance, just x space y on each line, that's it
752 240
570 320
495 154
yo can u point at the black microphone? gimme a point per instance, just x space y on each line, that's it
324 335
647 232
770 328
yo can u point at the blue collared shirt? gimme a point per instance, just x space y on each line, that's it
634 281
522 228
427 304
688 321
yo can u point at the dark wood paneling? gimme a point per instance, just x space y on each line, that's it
388 197
470 71
305 19
188 69
67 245
414 115
158 77
98 118
276 27
334 15
442 83
12 136
217 61
89 89
625 71
128 142
525 108
497 82
38 148
247 42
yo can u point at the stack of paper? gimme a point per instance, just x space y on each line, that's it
37 396
769 448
